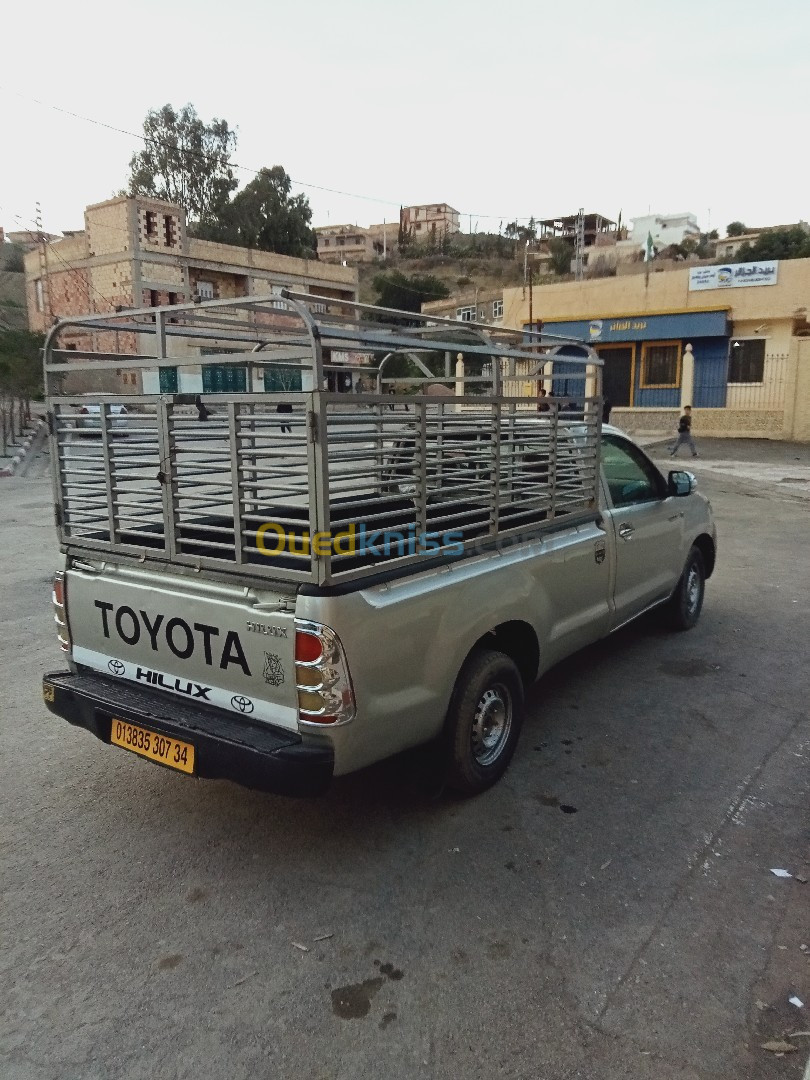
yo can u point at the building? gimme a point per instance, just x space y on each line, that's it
665 229
429 221
733 342
470 305
729 247
349 244
27 239
136 252
344 244
594 226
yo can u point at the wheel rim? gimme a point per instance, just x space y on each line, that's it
491 724
692 590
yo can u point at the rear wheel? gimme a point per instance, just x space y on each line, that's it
483 721
684 608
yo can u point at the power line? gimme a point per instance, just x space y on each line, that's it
85 279
235 165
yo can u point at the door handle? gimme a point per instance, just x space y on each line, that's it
626 531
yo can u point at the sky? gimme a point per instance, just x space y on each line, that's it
503 110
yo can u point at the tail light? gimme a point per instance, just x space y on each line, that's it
59 598
325 694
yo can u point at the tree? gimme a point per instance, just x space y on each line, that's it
562 252
12 258
792 243
736 228
265 215
528 233
185 161
408 293
20 379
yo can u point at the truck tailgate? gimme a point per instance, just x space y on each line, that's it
230 646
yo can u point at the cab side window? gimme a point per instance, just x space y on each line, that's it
630 477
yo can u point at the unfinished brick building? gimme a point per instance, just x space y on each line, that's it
135 252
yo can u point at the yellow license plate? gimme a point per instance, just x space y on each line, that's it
162 748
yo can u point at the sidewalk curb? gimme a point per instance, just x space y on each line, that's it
19 458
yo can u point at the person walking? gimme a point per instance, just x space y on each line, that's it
685 433
284 407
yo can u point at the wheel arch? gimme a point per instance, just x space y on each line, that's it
705 545
517 640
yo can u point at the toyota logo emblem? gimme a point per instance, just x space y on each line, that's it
116 667
242 704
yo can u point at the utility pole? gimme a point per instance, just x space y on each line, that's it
579 244
531 312
385 249
44 284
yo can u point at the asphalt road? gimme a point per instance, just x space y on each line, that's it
607 911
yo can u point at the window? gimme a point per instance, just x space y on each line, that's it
497 309
282 378
151 224
172 297
747 360
465 314
224 379
660 364
418 226
167 379
205 290
325 242
154 298
631 478
168 230
40 296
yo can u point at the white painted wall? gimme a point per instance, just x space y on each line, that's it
666 229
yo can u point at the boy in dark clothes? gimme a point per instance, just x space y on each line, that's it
684 433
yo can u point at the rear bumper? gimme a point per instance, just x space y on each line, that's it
226 748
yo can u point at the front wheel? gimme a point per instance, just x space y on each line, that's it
686 603
483 721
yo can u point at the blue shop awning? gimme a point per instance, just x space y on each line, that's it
679 326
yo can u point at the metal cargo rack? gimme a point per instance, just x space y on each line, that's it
434 463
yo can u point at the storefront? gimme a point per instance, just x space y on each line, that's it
643 355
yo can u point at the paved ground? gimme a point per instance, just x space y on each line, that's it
149 921
760 463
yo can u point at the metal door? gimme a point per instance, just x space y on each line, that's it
617 375
648 529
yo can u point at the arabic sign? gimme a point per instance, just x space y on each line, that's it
642 327
733 276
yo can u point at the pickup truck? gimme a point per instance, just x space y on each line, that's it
279 600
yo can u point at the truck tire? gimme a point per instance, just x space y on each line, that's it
685 604
483 721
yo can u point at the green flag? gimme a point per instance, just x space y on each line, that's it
649 251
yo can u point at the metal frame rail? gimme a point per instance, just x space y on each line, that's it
314 485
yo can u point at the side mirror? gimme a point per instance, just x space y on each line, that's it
681 483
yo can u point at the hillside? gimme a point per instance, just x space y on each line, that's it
458 275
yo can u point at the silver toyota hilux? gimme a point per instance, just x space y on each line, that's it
285 583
